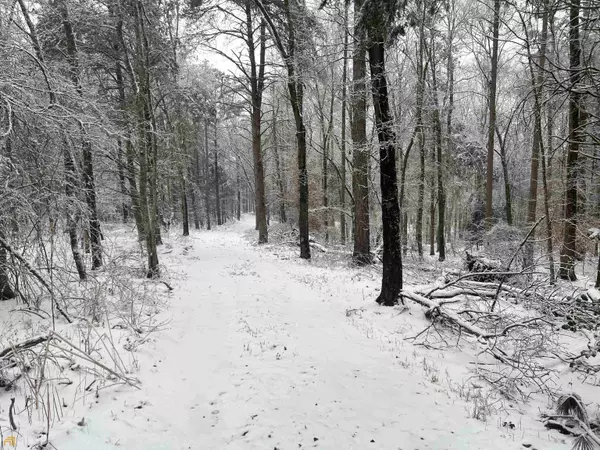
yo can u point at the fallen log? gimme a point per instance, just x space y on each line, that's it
14 348
485 270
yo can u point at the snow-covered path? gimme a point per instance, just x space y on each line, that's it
255 359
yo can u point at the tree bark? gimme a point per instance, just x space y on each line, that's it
257 82
86 146
147 145
282 214
184 207
538 143
343 129
568 250
360 151
390 211
492 119
206 174
441 194
421 73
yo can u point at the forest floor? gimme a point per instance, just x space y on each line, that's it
265 351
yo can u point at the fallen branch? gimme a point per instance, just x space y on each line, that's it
13 348
436 309
76 351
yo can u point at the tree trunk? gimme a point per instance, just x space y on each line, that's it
538 143
390 211
568 250
130 169
71 186
360 150
296 91
238 209
421 73
504 163
6 291
492 119
147 148
121 172
282 215
438 160
343 131
217 179
184 207
86 147
206 174
257 82
296 97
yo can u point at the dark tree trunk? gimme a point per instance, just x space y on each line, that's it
296 98
238 209
504 163
360 150
217 179
184 207
343 132
122 185
206 174
6 291
71 185
492 118
390 210
568 250
421 73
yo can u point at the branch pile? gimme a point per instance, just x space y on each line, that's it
509 334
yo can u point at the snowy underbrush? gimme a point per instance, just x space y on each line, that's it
66 343
501 346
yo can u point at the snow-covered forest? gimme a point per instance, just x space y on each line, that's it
279 224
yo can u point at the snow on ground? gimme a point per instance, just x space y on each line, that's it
265 351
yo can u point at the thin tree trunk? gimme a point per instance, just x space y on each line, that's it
360 151
421 73
257 78
86 147
121 172
343 129
538 143
568 250
492 119
282 215
438 160
504 163
217 178
238 209
6 291
296 91
147 148
206 174
184 206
